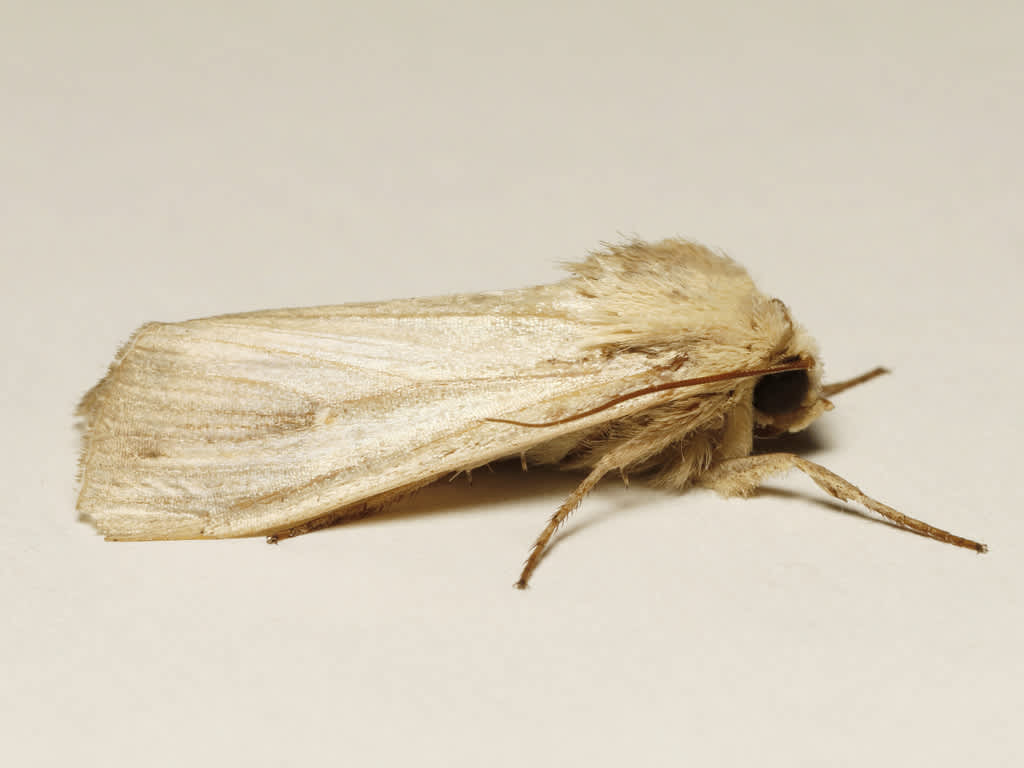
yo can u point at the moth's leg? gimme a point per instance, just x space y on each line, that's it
537 552
346 515
740 477
828 390
373 505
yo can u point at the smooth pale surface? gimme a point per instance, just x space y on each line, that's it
864 164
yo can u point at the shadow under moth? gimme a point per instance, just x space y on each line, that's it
657 358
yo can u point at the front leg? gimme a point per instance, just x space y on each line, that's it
740 477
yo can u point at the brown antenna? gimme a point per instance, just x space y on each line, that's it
797 365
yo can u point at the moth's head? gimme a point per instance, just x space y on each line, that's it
789 401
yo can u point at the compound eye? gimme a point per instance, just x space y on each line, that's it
781 392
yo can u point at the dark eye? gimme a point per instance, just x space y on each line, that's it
781 392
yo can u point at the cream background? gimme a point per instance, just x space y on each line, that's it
166 161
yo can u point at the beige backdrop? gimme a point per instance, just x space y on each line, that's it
172 160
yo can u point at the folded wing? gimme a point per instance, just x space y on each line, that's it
254 423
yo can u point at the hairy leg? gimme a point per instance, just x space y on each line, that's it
828 390
573 501
740 477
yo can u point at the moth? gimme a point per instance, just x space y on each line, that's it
649 358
